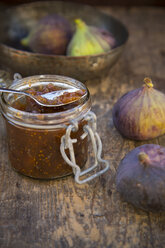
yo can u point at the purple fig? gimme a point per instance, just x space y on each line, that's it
141 177
140 114
106 35
51 35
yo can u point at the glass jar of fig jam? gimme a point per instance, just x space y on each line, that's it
51 142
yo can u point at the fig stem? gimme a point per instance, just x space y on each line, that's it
148 82
80 24
144 158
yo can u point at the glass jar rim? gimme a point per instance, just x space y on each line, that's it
37 120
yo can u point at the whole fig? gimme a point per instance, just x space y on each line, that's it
141 177
51 35
87 41
140 113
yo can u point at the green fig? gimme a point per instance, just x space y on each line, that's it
51 35
86 41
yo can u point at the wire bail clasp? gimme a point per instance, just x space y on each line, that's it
67 143
17 77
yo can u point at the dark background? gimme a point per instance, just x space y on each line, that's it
102 2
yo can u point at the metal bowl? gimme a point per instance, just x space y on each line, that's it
16 22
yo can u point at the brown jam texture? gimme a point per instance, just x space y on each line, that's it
36 152
29 105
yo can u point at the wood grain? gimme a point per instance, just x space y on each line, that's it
61 213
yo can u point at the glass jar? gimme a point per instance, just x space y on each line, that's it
51 144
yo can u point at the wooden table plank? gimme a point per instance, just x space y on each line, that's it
60 213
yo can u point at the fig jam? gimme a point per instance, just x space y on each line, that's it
34 132
36 153
29 105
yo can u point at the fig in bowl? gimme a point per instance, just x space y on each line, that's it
50 35
17 23
88 40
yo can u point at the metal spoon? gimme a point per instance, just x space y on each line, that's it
48 96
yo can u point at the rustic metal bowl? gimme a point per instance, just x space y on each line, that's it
16 22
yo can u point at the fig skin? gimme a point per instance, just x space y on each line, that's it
140 177
140 113
51 35
87 40
106 35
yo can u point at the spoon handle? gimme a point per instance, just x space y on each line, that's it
13 91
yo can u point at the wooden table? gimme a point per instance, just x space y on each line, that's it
61 213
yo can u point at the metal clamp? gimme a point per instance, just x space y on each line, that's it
17 77
67 143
